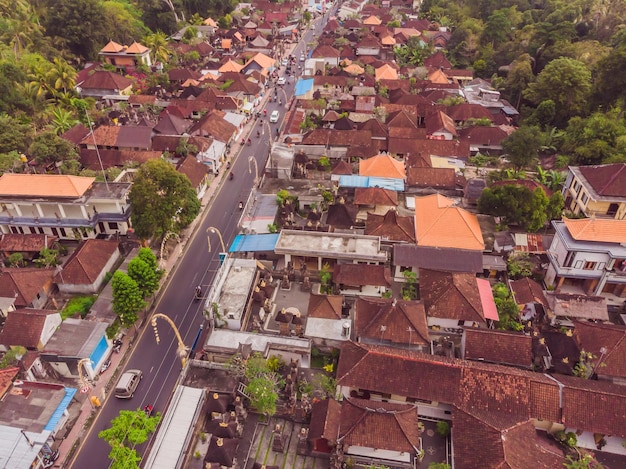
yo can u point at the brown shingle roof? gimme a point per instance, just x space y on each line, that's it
464 111
194 170
325 417
325 306
510 348
357 275
341 215
375 196
102 80
87 262
391 226
24 327
404 321
10 242
451 295
444 148
527 291
608 180
380 425
593 337
437 178
24 284
213 124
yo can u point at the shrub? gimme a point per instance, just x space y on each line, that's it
78 305
443 428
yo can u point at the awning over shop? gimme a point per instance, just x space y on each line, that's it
254 243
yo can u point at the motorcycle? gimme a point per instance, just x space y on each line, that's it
231 176
49 459
105 366
148 410
240 205
198 293
117 345
249 142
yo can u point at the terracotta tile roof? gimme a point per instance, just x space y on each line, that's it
337 137
386 72
26 242
87 262
597 229
7 376
527 291
75 134
451 295
342 168
608 180
24 284
437 60
391 226
402 119
325 418
508 348
171 124
438 223
104 136
91 159
444 148
407 373
377 128
483 135
375 196
608 338
595 406
24 327
103 80
397 316
325 306
464 111
214 125
440 122
112 47
356 275
381 425
324 51
436 178
44 185
134 137
545 401
263 60
406 133
481 442
384 166
136 48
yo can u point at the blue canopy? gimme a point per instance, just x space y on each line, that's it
254 243
303 86
366 181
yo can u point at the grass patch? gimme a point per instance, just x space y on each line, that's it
78 305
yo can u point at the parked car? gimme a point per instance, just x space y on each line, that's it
127 384
274 117
301 57
284 62
281 81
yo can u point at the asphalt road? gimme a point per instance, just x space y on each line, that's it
159 362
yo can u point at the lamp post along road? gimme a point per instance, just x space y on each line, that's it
212 229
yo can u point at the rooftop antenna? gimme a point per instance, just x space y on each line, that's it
382 332
410 330
97 150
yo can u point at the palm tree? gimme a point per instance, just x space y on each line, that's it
556 179
61 76
158 45
62 121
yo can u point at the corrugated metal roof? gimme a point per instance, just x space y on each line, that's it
58 413
303 86
254 243
168 451
365 181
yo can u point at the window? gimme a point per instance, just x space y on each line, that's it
612 210
576 187
568 259
589 265
112 225
584 199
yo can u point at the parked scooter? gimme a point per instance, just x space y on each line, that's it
49 459
105 366
117 345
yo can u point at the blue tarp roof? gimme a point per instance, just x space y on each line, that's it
366 181
254 243
58 413
303 86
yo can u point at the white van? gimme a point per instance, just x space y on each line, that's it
126 386
274 117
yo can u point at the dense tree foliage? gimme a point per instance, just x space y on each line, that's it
127 298
161 200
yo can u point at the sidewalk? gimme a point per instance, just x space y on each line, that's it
83 413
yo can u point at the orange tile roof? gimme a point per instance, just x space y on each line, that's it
437 76
383 166
226 43
136 48
263 60
438 223
386 72
372 20
596 229
111 48
43 185
230 66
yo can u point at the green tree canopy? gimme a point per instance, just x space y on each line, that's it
161 200
15 135
522 145
565 81
127 298
48 147
144 275
516 204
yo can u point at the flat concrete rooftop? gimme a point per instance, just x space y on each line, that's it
331 245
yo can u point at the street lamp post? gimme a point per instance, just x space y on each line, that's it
212 229
182 350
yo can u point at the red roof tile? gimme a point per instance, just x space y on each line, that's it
24 327
607 343
391 226
507 348
451 295
404 321
87 262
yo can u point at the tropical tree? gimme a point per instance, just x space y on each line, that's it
127 298
145 272
128 429
161 200
48 147
565 81
61 76
62 120
521 146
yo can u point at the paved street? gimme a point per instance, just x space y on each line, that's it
159 362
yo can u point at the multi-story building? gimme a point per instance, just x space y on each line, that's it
598 191
589 254
68 207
